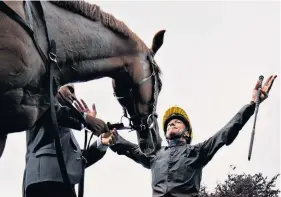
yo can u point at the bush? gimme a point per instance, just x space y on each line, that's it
244 185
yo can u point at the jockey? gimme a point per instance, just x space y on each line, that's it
177 168
173 116
42 176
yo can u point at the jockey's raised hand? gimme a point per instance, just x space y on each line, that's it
264 89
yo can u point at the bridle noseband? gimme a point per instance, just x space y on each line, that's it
146 121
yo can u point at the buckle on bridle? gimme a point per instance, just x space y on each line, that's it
150 121
53 57
142 127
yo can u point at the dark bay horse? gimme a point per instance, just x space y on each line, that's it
91 44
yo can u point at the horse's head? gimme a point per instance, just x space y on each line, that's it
138 86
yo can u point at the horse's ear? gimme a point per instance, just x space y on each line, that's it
158 41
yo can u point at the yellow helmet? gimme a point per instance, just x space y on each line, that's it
176 112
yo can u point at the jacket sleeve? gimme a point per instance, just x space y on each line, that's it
93 154
96 125
226 135
69 118
132 151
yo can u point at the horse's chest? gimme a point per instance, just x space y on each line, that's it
20 62
21 71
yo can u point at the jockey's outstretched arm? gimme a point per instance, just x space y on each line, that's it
230 131
132 151
226 135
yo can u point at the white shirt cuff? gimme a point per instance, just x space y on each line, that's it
85 115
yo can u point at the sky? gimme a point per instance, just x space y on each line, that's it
212 56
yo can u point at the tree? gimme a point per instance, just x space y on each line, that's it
244 185
203 192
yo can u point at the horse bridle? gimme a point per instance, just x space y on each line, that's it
146 121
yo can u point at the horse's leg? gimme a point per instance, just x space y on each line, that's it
3 140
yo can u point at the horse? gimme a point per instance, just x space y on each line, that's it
91 44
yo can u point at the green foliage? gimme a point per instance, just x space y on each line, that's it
244 185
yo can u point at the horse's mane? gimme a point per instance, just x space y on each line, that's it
94 13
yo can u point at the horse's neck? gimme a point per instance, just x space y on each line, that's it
86 49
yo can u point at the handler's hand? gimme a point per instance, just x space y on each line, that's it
83 107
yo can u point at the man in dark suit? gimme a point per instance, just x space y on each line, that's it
42 175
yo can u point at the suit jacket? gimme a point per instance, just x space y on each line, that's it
41 160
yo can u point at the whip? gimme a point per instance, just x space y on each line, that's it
256 113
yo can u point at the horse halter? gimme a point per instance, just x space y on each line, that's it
147 121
